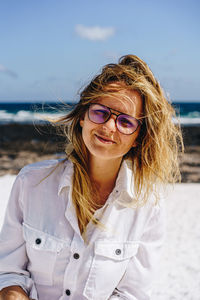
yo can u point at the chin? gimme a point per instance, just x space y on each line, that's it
104 155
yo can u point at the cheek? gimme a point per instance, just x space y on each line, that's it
87 129
130 141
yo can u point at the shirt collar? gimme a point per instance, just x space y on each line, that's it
124 183
67 176
125 177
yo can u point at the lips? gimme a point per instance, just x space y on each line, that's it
104 139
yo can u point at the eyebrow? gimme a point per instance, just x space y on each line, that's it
120 113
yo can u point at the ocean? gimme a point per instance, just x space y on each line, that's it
27 113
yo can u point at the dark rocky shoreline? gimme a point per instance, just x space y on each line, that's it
21 144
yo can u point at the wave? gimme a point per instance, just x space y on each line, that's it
26 117
188 121
33 113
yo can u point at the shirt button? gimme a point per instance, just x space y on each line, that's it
38 241
118 251
76 255
67 292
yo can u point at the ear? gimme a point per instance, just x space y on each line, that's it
81 122
134 144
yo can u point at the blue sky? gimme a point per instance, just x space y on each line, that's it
50 49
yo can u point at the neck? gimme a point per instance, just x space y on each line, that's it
103 175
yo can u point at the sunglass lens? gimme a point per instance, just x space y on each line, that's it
126 124
98 113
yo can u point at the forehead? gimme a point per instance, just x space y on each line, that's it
125 100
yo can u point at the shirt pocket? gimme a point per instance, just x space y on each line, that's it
108 267
42 250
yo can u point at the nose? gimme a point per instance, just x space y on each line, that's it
111 123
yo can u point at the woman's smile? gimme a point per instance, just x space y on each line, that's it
104 139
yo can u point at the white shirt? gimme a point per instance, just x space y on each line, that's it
42 250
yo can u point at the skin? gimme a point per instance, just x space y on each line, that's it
106 145
13 293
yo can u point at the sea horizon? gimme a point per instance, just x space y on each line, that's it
188 112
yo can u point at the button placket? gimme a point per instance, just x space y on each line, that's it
73 265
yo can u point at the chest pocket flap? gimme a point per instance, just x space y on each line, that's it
40 240
42 250
116 250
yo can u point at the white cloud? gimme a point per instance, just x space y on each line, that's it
10 73
94 33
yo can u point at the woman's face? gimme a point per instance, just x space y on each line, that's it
104 141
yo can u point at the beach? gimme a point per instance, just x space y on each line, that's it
179 270
21 144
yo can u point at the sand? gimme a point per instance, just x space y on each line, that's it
22 144
179 276
179 271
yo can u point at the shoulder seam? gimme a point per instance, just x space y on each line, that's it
46 164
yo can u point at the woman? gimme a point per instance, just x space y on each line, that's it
91 226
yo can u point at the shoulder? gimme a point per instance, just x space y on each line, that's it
41 165
41 169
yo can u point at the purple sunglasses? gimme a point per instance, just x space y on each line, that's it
100 114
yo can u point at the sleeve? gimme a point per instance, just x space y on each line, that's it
136 283
13 258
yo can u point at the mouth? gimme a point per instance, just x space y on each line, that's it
104 139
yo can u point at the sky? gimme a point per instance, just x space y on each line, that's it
50 49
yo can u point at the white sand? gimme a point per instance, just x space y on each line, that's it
179 276
6 183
